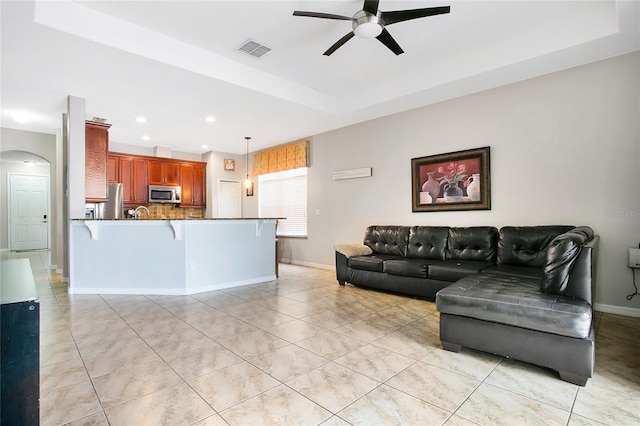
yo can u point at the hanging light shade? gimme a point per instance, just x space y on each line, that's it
248 184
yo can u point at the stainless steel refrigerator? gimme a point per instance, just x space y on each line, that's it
113 207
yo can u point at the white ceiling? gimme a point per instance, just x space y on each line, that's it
176 62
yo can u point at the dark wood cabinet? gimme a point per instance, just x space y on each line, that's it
96 150
193 184
164 172
133 173
19 344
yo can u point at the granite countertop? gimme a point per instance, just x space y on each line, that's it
185 219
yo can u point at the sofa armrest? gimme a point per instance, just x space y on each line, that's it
343 253
583 276
350 250
562 255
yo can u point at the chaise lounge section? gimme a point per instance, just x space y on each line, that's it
520 292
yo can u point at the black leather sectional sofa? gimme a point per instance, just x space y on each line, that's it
520 292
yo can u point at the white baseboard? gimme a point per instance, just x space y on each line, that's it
618 310
4 249
309 264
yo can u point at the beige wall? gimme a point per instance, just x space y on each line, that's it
43 145
565 149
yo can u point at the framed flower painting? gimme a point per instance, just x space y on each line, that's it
454 181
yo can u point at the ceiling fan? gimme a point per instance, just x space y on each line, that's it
370 22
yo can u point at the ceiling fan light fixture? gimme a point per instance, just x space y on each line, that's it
366 25
368 30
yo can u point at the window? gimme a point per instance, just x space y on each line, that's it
284 194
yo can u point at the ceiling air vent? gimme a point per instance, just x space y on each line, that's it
253 48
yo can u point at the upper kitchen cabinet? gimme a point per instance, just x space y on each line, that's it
96 149
164 172
112 169
133 173
193 184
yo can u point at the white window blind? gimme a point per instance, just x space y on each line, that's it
284 194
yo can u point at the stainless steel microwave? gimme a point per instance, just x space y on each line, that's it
165 194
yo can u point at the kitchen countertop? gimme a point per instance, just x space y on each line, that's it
189 219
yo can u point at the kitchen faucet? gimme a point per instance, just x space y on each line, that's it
136 212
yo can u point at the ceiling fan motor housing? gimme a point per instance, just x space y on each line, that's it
367 25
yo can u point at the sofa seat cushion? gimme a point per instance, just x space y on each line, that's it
372 262
453 270
515 301
407 267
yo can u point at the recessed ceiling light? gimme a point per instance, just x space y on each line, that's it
204 146
21 117
146 138
210 119
141 119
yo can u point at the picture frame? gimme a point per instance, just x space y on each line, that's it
229 164
458 180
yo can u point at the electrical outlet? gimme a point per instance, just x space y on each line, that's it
193 266
634 258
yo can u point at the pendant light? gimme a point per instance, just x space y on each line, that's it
248 184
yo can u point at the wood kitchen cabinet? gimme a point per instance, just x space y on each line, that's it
136 172
164 172
112 169
133 172
193 184
96 151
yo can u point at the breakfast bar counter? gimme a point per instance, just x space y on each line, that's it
170 257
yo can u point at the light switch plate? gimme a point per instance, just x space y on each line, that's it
634 258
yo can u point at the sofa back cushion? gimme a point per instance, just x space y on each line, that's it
527 245
428 242
561 256
387 239
473 243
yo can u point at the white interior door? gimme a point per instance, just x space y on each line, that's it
229 199
28 212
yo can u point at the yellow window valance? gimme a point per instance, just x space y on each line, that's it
284 157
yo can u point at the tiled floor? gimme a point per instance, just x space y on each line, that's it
301 350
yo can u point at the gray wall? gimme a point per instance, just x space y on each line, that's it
565 149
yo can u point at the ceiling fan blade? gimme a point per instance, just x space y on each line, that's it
339 43
388 41
404 15
322 15
371 6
